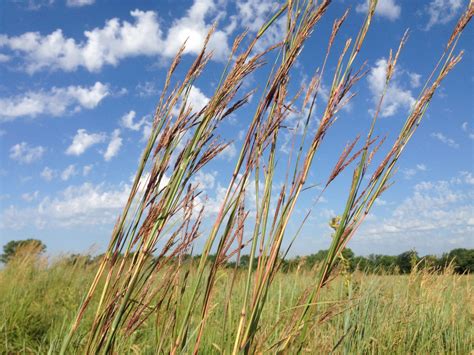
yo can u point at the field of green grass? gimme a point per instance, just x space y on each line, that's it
420 313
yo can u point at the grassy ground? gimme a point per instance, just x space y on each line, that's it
419 313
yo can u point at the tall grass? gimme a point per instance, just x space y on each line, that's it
163 216
422 312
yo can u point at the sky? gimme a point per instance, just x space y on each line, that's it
79 81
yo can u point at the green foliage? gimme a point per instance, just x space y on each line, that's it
13 246
403 314
463 260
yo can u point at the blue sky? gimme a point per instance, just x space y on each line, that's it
79 80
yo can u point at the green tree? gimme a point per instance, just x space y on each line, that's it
463 260
406 260
10 249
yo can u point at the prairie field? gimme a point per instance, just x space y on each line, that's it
203 216
419 313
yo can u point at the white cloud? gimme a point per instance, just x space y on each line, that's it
194 29
396 97
4 58
146 89
87 169
69 172
55 102
114 145
205 181
465 127
34 5
196 99
229 152
421 167
48 174
29 197
118 40
385 8
436 209
26 154
146 132
127 121
409 173
415 79
254 13
83 141
79 3
442 11
467 177
82 205
443 139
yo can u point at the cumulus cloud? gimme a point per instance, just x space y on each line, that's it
26 154
128 121
445 140
118 40
253 14
83 141
79 3
55 102
442 11
196 100
385 8
396 98
114 145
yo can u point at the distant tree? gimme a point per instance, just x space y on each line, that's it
406 260
10 249
463 260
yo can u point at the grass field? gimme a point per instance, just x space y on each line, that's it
420 313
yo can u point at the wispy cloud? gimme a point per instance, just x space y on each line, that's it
445 140
69 172
442 11
79 3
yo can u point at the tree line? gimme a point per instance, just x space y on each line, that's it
460 259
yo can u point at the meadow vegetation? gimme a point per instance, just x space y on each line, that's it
145 295
421 312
